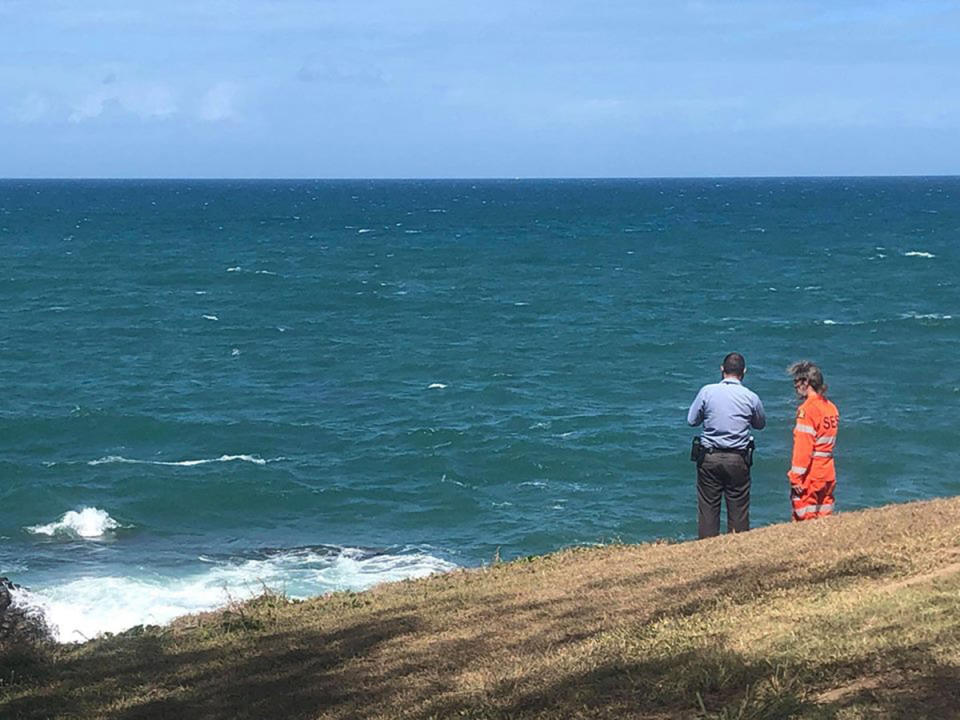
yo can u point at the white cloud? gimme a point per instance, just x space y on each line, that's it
153 101
148 102
219 103
89 107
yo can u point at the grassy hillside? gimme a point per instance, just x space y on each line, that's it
854 616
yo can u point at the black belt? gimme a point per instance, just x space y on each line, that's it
738 451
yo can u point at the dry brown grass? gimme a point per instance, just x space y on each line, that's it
854 616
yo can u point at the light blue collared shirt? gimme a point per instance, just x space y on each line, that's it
727 410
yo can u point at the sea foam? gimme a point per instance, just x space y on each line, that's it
919 253
86 607
924 316
110 459
89 522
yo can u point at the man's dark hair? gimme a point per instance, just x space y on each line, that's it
810 373
734 364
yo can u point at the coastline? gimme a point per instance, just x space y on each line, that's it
851 616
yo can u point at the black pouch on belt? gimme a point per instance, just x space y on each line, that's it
696 450
749 454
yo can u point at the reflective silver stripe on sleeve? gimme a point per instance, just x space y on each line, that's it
800 512
805 429
798 470
820 453
825 440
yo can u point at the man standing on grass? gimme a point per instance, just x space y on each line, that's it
724 452
812 474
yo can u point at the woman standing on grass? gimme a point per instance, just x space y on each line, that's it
812 474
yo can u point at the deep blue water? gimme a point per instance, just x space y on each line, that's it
319 385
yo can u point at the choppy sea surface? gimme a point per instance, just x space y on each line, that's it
209 387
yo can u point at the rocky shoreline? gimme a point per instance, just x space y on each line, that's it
20 628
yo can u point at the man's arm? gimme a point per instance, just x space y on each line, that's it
695 413
759 418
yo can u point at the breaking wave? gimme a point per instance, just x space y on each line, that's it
88 606
89 522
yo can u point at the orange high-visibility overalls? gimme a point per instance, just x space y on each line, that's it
812 474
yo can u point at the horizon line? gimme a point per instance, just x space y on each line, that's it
483 178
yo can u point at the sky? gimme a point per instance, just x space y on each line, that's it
498 88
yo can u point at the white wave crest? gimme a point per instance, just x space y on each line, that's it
89 522
926 316
919 253
436 386
85 607
109 459
845 322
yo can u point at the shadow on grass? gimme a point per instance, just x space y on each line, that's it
284 675
911 682
396 663
715 684
747 583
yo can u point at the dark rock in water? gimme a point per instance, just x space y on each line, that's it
19 626
5 598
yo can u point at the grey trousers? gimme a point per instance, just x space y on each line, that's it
723 475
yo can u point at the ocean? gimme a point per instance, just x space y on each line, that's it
214 387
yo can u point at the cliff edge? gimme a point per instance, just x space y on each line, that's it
852 616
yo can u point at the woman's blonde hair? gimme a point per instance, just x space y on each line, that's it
810 373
